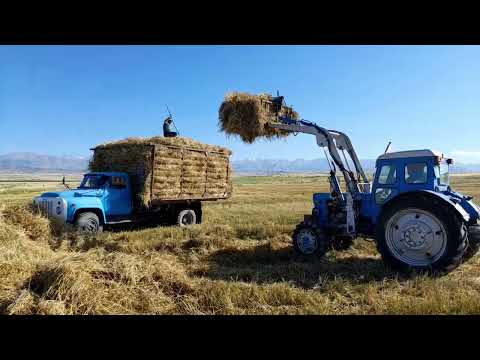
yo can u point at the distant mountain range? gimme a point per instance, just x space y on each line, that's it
35 163
31 163
270 166
276 166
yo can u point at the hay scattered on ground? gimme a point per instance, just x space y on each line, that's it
36 279
35 227
239 261
247 116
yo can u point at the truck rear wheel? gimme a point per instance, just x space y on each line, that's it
88 222
186 217
422 234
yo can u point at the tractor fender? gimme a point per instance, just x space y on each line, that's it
432 194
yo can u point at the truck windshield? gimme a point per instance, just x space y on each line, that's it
441 172
93 182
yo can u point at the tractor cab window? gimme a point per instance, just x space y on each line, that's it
442 174
416 173
93 182
387 175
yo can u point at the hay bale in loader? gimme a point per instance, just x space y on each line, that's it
168 170
247 116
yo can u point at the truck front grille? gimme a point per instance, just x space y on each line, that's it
46 208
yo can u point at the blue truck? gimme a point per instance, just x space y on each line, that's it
105 198
164 180
410 210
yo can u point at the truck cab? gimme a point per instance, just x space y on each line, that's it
114 194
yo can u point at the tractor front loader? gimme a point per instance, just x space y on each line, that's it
416 219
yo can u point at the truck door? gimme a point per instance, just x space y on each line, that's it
117 199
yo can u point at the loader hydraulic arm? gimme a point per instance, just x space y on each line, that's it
333 141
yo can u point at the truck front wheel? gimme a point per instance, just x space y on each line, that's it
186 217
88 222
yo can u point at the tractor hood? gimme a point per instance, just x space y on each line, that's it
75 193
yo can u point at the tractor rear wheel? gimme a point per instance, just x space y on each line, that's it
473 242
421 233
310 241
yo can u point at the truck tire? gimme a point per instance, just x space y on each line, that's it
186 217
422 234
88 222
473 242
199 213
310 241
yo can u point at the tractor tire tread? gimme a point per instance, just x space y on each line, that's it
456 234
324 245
473 242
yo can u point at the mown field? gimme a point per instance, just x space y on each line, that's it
239 261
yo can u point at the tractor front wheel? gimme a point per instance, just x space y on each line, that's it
310 241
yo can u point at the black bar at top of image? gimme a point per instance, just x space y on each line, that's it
288 26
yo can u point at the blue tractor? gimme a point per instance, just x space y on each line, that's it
417 220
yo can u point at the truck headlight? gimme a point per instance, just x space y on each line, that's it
58 210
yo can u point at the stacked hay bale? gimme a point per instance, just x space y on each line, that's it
168 168
248 116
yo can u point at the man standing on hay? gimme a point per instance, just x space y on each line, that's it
167 128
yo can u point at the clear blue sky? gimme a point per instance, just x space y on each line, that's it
64 99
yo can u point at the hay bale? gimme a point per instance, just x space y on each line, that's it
179 141
166 168
247 116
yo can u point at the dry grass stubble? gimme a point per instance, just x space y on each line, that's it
239 261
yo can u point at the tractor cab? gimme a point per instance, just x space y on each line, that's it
406 171
412 173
